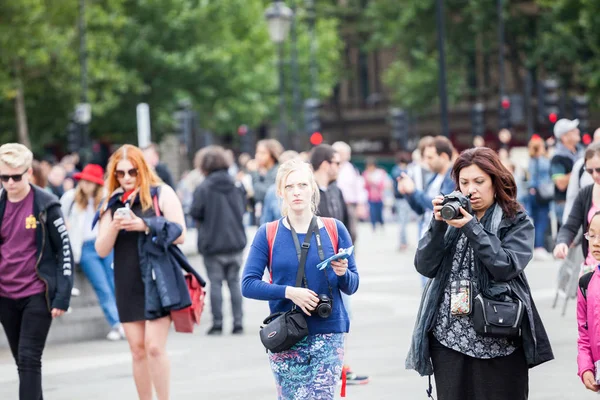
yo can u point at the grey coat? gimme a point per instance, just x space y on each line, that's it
505 250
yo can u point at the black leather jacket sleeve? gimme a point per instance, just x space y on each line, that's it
430 251
575 221
504 259
61 246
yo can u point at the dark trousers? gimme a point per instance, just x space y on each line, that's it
26 323
460 377
225 267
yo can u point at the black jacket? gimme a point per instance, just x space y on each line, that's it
161 264
55 259
332 204
164 174
218 207
505 254
577 219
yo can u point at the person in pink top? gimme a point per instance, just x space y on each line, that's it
588 314
375 180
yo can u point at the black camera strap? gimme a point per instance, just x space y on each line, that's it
300 253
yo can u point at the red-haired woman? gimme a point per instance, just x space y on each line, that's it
132 185
481 252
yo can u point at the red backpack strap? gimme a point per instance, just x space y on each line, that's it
155 203
332 231
272 228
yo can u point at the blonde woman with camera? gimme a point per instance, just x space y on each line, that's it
311 368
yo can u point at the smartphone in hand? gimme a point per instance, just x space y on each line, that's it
123 212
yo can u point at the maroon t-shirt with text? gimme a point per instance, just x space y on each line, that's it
18 251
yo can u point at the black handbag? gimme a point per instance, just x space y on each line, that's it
501 319
283 330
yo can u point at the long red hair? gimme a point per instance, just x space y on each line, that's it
502 179
145 179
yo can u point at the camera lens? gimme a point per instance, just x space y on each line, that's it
324 310
450 210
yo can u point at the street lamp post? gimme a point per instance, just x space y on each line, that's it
279 18
441 37
297 107
85 154
311 17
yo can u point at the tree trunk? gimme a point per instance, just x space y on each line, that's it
20 111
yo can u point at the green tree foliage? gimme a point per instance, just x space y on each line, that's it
216 54
550 37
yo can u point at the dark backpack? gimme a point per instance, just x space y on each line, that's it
584 282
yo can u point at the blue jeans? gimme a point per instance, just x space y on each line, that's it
541 219
102 278
376 212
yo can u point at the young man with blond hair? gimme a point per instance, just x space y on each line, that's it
36 265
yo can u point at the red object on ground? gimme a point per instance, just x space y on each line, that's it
344 372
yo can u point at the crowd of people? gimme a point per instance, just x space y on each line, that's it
481 218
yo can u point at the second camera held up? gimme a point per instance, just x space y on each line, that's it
453 202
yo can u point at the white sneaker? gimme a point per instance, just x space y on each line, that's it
122 331
75 292
114 335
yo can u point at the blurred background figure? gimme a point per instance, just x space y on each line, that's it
567 152
218 208
271 209
245 178
186 187
375 181
541 194
56 178
152 156
267 161
352 185
403 210
79 207
38 177
478 141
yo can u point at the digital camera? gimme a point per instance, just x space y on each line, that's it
452 203
325 306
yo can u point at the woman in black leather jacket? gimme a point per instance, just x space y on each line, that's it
493 243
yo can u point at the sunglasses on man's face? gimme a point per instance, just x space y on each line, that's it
121 174
15 178
592 170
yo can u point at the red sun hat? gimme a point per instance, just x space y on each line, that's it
92 173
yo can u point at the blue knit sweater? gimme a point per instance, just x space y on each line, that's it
285 267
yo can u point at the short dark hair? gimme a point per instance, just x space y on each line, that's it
403 157
320 154
442 146
213 159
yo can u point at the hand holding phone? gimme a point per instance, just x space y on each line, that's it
123 213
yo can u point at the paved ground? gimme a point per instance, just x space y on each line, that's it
236 367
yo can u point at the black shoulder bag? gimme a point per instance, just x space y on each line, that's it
283 330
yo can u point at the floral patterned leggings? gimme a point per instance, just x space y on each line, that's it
310 369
